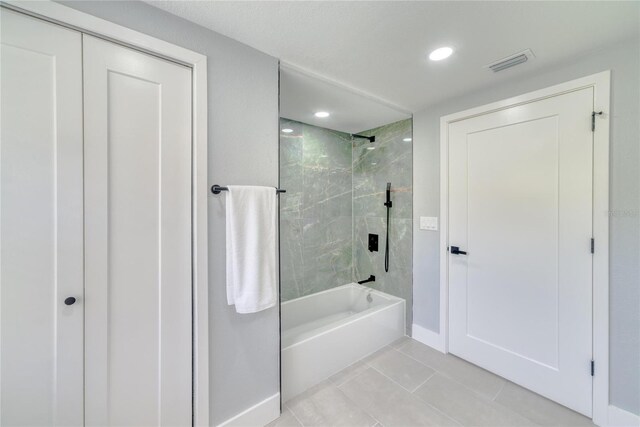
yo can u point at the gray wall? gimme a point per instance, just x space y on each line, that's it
372 169
316 236
243 149
623 60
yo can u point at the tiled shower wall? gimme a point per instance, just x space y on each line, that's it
316 235
390 161
335 194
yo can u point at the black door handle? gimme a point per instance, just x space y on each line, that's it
456 251
69 300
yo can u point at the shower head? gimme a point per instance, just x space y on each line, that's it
370 138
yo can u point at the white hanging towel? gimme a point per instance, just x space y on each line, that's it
251 248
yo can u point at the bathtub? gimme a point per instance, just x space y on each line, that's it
325 332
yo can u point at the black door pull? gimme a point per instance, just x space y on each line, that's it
456 251
69 300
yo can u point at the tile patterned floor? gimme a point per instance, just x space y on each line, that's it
409 384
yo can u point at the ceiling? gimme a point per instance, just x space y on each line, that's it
380 48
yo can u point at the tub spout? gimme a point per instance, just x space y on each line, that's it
371 278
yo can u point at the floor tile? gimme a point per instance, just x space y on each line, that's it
400 342
466 406
401 368
477 379
447 391
372 356
539 409
390 404
348 373
326 405
287 419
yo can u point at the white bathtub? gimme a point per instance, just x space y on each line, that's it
325 332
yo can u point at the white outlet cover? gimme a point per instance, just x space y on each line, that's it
429 223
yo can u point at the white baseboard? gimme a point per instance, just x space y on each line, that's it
620 418
259 415
428 337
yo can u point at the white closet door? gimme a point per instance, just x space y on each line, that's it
138 238
41 223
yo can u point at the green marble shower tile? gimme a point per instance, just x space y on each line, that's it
316 163
335 194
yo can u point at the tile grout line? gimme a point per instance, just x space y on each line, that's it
500 391
482 396
338 387
294 414
356 376
391 351
448 376
355 403
410 393
435 371
417 360
440 411
447 415
424 382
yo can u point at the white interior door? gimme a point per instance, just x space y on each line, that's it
520 205
40 223
138 238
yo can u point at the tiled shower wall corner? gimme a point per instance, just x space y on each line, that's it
316 236
390 161
335 194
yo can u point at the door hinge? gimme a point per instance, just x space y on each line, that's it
593 245
593 119
593 368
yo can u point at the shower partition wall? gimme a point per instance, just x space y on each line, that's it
316 230
389 161
335 197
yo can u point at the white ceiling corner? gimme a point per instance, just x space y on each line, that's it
379 49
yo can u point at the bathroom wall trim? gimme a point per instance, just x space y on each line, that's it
259 414
601 84
618 417
89 24
428 337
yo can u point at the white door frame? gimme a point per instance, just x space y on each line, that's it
97 27
600 83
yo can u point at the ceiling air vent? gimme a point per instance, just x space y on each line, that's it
511 61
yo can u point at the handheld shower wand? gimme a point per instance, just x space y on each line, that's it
388 204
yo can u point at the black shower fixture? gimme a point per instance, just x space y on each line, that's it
371 278
388 204
370 138
373 242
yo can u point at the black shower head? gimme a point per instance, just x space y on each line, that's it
370 138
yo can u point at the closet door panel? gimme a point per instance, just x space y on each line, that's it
41 256
138 237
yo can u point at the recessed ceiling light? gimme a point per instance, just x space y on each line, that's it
440 53
407 140
287 130
322 114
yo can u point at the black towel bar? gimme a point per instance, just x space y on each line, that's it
216 189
